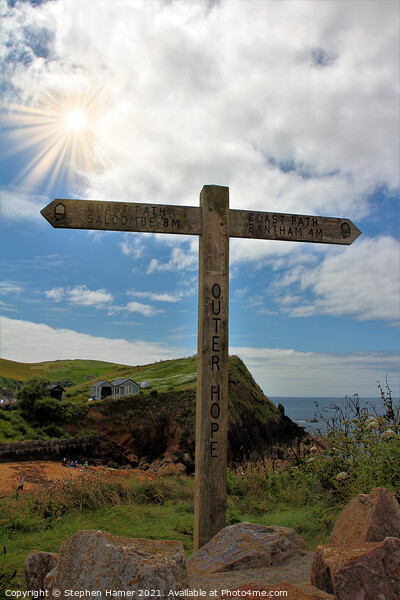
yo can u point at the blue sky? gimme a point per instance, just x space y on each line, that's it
292 105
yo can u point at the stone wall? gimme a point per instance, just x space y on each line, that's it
43 449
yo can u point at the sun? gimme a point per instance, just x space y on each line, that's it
58 132
75 120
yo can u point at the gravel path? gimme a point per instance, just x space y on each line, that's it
295 571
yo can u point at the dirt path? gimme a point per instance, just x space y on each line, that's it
33 472
295 571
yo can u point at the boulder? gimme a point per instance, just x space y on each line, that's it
37 566
244 546
255 592
359 572
99 561
169 464
167 469
368 518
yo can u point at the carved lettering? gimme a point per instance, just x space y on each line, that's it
124 215
213 449
216 290
216 307
215 410
214 362
215 392
215 343
214 428
216 319
280 225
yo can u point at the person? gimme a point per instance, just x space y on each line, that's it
20 483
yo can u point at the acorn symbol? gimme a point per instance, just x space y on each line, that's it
345 230
59 211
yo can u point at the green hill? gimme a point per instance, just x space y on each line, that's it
79 375
157 420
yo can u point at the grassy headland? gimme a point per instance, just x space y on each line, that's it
131 505
305 492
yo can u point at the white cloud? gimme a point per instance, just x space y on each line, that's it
131 246
180 260
101 298
360 281
81 295
56 294
18 204
9 287
293 105
279 372
85 297
287 372
33 342
160 297
144 309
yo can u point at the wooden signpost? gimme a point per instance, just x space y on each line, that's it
215 223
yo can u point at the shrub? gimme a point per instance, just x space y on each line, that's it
360 450
47 411
34 389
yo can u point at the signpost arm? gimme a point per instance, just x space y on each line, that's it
212 366
214 223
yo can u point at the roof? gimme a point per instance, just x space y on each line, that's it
55 386
102 383
121 381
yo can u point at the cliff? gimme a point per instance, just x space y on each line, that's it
141 429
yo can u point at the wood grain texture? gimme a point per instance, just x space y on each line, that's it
212 370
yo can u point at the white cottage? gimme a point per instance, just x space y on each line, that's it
114 389
101 389
124 387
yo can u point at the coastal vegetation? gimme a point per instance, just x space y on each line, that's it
306 494
159 419
305 491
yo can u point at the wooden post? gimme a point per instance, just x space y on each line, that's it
212 366
214 223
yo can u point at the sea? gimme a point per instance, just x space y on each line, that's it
304 412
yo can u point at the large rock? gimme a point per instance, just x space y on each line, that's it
37 566
369 571
244 546
368 518
255 592
169 464
99 561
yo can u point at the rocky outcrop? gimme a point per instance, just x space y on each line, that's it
246 545
96 560
143 428
365 571
37 566
368 518
169 464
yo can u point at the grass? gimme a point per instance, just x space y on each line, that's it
130 520
13 427
164 375
131 506
76 370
